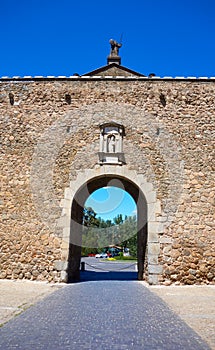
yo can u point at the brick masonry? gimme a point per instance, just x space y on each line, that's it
50 134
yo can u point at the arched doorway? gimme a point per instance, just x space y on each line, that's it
148 208
75 241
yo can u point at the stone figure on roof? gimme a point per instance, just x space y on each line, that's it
114 47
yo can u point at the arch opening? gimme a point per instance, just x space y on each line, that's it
110 227
77 212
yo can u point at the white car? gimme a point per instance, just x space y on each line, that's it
101 256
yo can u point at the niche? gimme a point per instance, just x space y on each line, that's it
111 143
11 98
163 100
68 99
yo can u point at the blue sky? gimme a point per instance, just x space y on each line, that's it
62 37
108 202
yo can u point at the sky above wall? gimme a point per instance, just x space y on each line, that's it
63 37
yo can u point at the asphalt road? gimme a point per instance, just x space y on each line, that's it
106 315
101 269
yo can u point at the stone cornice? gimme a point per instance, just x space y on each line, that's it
104 78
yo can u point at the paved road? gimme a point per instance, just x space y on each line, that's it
107 315
101 269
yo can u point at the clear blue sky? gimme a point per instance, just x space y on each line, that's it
62 37
108 202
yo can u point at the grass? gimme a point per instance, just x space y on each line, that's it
22 308
123 259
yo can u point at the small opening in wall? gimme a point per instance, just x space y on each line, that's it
68 99
11 98
163 100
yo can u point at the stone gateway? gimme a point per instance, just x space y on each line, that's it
64 137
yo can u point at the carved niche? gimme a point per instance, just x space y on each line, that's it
111 144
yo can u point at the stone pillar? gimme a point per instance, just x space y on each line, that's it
75 243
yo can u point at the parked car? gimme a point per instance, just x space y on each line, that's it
101 256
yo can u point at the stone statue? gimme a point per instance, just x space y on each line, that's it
114 47
111 144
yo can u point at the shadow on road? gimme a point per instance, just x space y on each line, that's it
108 276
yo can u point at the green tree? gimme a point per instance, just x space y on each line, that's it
99 233
89 218
89 234
129 235
118 220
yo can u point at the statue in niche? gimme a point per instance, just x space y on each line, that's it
111 144
114 47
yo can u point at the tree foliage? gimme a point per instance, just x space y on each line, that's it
99 233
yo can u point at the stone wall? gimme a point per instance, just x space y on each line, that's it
50 132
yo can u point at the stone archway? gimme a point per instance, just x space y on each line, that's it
148 208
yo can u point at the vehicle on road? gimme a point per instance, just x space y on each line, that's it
101 256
